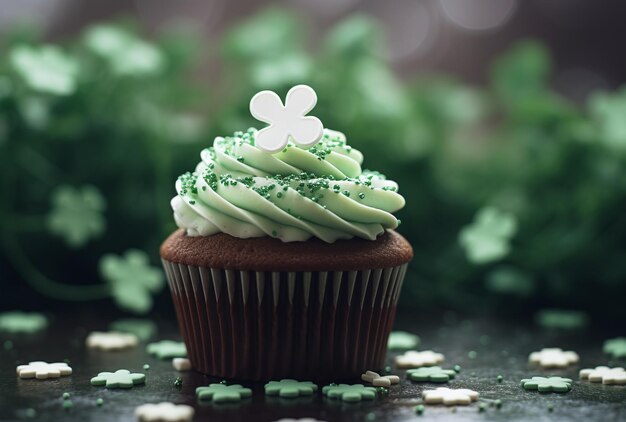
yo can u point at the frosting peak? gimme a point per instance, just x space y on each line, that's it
294 194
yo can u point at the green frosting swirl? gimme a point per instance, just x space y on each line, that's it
292 195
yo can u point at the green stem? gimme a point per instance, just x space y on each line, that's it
46 286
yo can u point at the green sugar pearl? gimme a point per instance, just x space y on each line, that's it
99 402
500 378
472 354
146 366
67 404
498 403
66 396
457 368
419 409
482 407
178 382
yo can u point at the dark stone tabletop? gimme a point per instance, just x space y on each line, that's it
501 348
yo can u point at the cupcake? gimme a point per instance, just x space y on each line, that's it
286 263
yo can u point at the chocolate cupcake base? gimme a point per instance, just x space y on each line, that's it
262 325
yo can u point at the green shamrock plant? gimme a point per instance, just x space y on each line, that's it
76 214
349 393
22 322
132 280
289 388
607 111
430 374
401 340
142 328
547 384
615 347
167 349
221 393
45 69
121 378
487 238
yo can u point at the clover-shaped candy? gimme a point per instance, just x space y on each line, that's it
401 340
415 359
547 384
111 341
142 328
289 388
615 347
77 214
221 393
430 374
605 375
22 322
43 370
378 380
487 238
167 349
164 412
286 122
450 396
553 357
349 393
121 378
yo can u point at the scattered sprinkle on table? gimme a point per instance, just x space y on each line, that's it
547 384
349 393
167 349
221 393
164 412
605 375
415 359
553 357
181 364
43 370
378 380
450 396
290 388
111 341
121 378
430 374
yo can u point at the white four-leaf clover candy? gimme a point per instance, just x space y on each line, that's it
111 340
289 121
553 357
378 380
43 370
415 359
605 375
450 396
164 412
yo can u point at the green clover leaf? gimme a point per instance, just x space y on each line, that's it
220 393
430 374
167 349
615 347
125 54
487 238
401 340
290 388
547 384
349 393
561 319
121 378
22 322
607 111
76 214
45 69
132 280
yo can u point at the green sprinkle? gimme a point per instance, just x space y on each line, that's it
347 193
223 382
66 396
362 195
387 369
178 382
67 404
482 407
399 221
274 233
472 354
99 402
498 403
500 378
146 366
419 409
192 202
279 195
550 407
457 368
371 416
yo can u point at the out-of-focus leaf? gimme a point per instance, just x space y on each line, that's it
357 36
521 72
487 238
280 72
126 54
133 281
46 69
270 33
608 112
561 319
510 281
76 214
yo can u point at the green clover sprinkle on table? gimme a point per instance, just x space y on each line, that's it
22 322
290 388
221 393
121 378
401 340
349 393
430 374
547 384
615 347
167 349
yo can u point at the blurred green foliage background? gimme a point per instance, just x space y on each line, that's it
514 194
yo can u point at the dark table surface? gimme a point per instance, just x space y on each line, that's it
501 348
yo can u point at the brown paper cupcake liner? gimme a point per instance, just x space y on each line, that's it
322 326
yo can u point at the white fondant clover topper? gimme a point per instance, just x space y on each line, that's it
415 359
288 121
553 357
110 340
604 374
44 370
450 396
